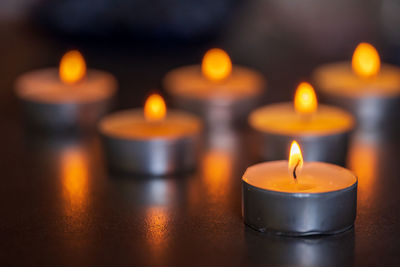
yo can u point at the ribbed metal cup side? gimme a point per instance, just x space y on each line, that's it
219 112
152 157
331 148
371 112
63 116
299 214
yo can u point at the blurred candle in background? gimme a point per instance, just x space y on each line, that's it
152 140
65 98
365 86
320 129
222 93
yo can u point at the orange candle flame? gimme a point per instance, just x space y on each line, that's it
295 160
366 62
216 65
155 108
72 67
305 99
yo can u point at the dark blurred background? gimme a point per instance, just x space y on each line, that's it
58 204
140 40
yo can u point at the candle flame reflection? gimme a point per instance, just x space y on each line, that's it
157 232
72 67
295 160
75 174
363 161
155 108
305 99
366 62
217 169
216 65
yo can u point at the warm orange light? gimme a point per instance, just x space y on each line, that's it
216 65
217 167
366 62
295 159
75 175
305 100
72 67
155 108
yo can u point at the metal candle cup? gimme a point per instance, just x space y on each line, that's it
323 135
135 145
49 104
226 99
365 87
374 102
323 204
68 97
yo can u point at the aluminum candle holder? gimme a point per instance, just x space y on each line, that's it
68 97
371 112
219 113
367 87
64 116
150 155
324 135
217 90
299 213
330 148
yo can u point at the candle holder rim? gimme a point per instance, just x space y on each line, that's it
216 97
154 139
307 194
112 88
305 134
234 66
367 94
302 195
348 63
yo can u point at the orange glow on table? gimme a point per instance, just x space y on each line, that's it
217 168
72 67
216 65
366 62
155 108
75 184
363 161
305 99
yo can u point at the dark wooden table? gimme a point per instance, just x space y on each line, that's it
60 206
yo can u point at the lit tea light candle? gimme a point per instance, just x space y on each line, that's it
320 129
68 97
151 141
299 198
216 90
364 86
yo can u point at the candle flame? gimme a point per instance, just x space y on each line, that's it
295 160
305 99
216 65
366 62
72 67
155 108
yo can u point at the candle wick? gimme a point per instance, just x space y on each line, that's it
294 171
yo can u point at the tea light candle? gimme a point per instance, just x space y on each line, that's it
216 90
369 90
152 141
66 98
292 198
320 129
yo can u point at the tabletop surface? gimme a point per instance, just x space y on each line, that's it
60 205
